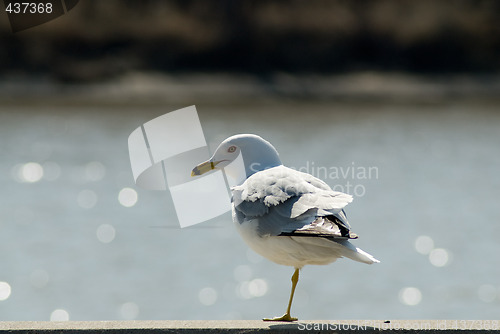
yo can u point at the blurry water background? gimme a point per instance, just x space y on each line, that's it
426 207
395 102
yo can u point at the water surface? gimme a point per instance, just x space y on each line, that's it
68 244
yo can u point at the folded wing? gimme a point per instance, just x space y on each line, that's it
288 202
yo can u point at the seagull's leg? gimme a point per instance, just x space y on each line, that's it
286 316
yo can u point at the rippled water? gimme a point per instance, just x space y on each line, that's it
79 241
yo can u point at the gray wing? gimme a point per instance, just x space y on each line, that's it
288 202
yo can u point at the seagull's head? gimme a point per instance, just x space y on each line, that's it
257 154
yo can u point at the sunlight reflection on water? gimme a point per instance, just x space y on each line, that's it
77 243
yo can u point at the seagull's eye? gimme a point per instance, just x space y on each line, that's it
231 149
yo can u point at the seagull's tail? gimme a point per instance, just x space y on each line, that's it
356 254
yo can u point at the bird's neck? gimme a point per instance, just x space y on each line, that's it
259 160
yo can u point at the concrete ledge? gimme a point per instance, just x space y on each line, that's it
250 326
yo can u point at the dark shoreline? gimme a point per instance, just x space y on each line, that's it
157 88
98 40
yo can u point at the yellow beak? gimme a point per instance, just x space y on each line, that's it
204 167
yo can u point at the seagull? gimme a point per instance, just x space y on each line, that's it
289 217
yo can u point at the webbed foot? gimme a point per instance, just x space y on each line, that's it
285 317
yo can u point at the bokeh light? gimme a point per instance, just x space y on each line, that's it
30 172
127 197
424 244
250 289
439 257
105 233
5 290
242 273
207 296
410 296
59 315
257 287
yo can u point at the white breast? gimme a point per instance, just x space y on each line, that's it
289 251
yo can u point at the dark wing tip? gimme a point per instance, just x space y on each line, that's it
329 227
